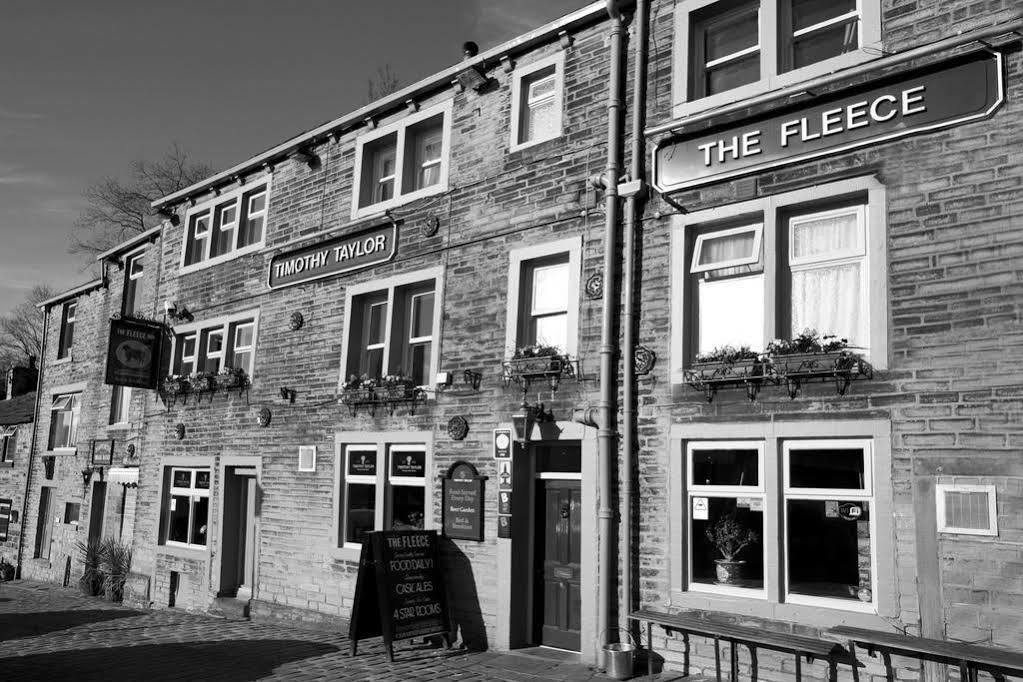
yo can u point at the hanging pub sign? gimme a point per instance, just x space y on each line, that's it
922 101
133 353
334 256
399 592
463 502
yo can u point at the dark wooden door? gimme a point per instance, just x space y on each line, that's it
97 510
556 606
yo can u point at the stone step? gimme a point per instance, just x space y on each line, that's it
231 608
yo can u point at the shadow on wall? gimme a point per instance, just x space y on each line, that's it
463 600
229 660
18 625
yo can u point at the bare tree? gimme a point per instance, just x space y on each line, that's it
118 210
384 83
21 330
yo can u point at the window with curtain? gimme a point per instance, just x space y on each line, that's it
544 300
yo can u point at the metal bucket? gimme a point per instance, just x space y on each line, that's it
618 659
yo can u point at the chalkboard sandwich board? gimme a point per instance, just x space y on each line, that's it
399 571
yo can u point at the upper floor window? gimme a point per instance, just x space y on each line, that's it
543 293
64 411
391 328
8 443
772 268
402 161
230 225
727 50
537 101
68 314
133 271
120 399
215 345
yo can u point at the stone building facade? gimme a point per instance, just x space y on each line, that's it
17 408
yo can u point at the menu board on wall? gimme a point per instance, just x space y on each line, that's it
463 502
398 570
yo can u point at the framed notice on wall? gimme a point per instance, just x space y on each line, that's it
463 502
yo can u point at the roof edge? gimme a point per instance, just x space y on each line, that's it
129 244
71 293
515 46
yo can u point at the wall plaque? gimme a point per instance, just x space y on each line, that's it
463 502
335 256
924 100
133 353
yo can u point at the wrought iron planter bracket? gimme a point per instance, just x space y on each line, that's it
170 398
525 371
357 398
793 372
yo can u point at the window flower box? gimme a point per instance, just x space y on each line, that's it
391 391
810 356
537 363
231 378
728 367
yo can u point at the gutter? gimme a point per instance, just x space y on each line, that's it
149 235
1014 25
72 293
397 99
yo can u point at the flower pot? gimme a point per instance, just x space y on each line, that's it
729 572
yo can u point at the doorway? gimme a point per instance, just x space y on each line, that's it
556 587
237 565
97 510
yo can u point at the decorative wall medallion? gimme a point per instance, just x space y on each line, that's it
263 418
458 428
644 359
595 285
130 450
179 431
296 321
431 226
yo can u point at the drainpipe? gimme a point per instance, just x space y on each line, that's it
605 430
633 195
32 442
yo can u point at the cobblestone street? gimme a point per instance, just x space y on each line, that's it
47 632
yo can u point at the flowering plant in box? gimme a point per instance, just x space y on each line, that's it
202 382
808 341
729 354
175 384
536 350
231 377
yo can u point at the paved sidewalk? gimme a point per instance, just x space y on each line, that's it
48 632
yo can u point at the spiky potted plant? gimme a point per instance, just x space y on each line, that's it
730 538
115 562
91 581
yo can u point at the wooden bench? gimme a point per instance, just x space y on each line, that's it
799 646
970 658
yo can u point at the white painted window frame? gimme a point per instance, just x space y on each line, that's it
123 406
389 285
400 128
941 489
132 278
758 233
520 93
573 246
192 492
71 397
869 40
310 451
236 196
876 276
223 323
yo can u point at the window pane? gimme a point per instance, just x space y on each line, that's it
731 313
177 528
408 463
829 548
373 366
824 44
826 468
242 360
733 74
202 480
827 235
806 13
251 230
727 248
541 119
968 509
62 431
135 268
829 299
542 87
407 504
550 289
200 516
728 35
741 515
423 152
361 504
422 316
223 234
377 323
188 345
725 467
198 233
421 363
552 330
182 478
378 170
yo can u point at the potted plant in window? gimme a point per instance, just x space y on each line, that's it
231 377
174 385
727 366
203 382
809 356
358 390
399 387
537 361
730 538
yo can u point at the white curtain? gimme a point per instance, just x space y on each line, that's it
829 299
724 249
826 236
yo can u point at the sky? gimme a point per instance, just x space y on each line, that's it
86 88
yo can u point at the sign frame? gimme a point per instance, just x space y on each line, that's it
121 331
331 243
472 485
503 451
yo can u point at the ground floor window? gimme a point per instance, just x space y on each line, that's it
187 507
382 487
822 536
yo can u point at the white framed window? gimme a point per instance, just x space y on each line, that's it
537 102
307 458
392 327
187 507
382 484
120 400
216 344
8 443
543 296
68 315
64 415
225 227
726 496
965 509
402 161
828 523
728 50
770 268
133 273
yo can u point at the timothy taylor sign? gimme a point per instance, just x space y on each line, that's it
334 256
922 101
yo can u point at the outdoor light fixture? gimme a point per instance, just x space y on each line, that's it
526 417
177 311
